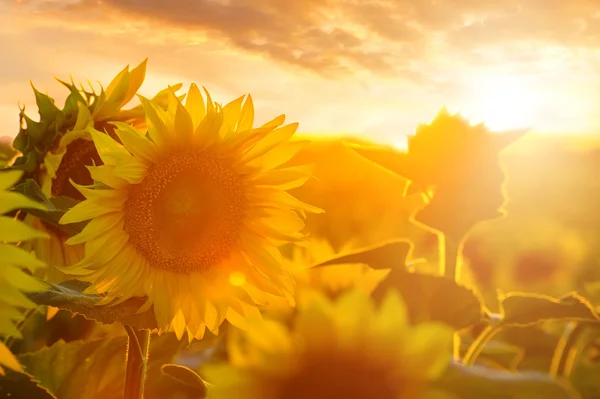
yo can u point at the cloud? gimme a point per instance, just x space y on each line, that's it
313 35
335 65
338 38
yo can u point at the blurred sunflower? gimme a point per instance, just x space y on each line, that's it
330 280
191 212
60 149
16 263
455 164
541 256
336 349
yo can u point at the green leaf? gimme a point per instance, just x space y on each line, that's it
482 382
22 385
180 381
95 369
69 295
35 130
31 189
388 255
523 309
433 298
56 207
46 106
92 369
26 162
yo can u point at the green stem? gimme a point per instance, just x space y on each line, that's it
450 254
137 362
568 348
477 346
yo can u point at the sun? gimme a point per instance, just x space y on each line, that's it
502 102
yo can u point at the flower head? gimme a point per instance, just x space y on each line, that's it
345 348
458 166
191 212
58 148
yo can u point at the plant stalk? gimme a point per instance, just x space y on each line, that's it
477 346
450 253
571 344
137 362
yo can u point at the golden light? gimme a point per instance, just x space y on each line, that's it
503 102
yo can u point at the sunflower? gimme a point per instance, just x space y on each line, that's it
330 280
345 348
71 150
15 262
192 212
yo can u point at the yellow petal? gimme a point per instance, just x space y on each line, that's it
284 153
284 179
270 141
140 147
105 174
231 116
156 126
111 152
84 210
96 227
195 105
184 126
8 359
136 78
247 116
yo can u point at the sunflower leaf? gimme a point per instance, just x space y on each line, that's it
69 295
183 381
56 207
80 368
524 309
482 382
95 368
389 255
433 298
31 189
22 385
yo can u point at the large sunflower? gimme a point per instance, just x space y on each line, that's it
71 150
345 348
14 261
192 212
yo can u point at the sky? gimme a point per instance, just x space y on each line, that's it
369 68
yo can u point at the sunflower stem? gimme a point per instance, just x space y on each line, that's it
477 346
137 362
450 253
569 347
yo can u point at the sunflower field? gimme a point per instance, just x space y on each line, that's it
179 249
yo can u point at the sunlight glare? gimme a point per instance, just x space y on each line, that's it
503 102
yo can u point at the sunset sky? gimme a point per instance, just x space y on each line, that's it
373 68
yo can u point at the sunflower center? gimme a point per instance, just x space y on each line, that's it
349 376
80 153
186 213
